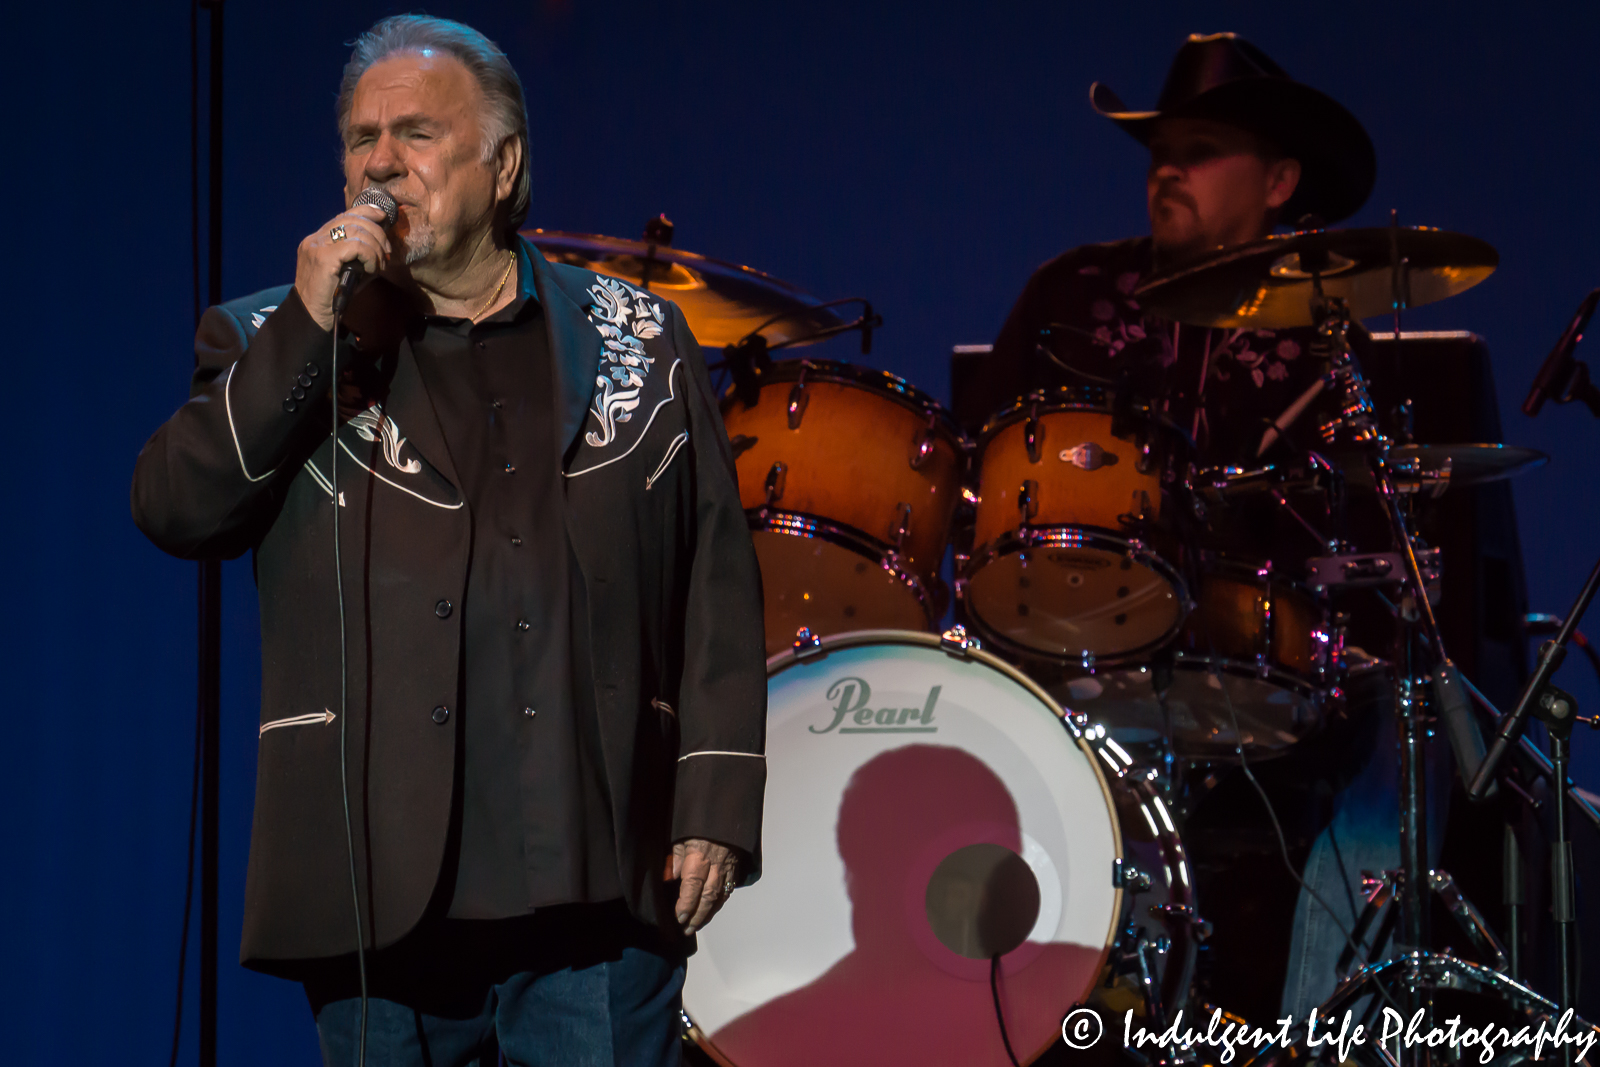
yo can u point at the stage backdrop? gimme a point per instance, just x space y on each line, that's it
925 156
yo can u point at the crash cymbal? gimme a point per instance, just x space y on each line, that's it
723 302
1268 285
1462 464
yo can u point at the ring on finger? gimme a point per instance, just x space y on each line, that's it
337 233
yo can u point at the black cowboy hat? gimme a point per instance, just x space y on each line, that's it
1224 77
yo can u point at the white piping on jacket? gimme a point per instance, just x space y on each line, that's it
713 752
672 452
227 403
324 716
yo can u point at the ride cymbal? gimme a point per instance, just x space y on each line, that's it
723 302
1268 285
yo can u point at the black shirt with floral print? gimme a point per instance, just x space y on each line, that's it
1221 386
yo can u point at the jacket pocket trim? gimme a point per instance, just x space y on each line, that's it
397 485
324 716
672 394
666 460
717 752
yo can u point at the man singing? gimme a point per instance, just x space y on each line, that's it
550 750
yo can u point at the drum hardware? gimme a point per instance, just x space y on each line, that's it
1090 456
923 448
798 398
1380 889
806 643
957 641
1027 504
900 527
1356 570
1030 434
777 475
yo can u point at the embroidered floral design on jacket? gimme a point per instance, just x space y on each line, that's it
626 318
373 425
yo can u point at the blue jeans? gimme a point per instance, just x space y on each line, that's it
1363 835
575 986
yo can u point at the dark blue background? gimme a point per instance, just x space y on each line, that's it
925 156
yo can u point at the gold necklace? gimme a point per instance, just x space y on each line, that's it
497 289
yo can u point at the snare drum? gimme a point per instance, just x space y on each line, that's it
850 477
1258 650
928 808
1072 556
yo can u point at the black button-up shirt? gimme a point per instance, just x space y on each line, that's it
535 824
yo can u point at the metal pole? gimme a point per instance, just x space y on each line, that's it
210 606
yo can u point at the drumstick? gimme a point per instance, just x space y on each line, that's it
1287 419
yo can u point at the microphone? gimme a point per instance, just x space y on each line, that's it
353 271
1552 378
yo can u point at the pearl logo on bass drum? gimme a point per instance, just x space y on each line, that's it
852 696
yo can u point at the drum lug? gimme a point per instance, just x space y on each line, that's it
1031 435
776 478
900 527
1125 875
798 399
806 643
957 641
1147 460
924 445
1028 500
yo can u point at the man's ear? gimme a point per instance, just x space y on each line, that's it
507 159
1282 179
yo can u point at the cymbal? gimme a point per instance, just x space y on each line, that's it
1267 285
1414 468
1462 464
723 302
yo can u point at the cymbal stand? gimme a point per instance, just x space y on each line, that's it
1356 425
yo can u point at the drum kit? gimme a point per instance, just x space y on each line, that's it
1002 663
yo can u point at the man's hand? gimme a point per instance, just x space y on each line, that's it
707 869
321 257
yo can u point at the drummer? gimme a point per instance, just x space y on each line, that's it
1238 150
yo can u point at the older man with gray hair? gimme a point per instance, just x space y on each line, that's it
513 692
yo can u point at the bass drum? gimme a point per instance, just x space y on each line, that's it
929 809
849 477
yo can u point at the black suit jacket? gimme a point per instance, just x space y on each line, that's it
654 517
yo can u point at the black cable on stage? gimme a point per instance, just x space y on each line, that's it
344 696
1000 1016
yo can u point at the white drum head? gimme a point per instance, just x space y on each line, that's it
924 810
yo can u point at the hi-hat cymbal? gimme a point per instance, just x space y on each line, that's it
723 302
1268 284
1414 468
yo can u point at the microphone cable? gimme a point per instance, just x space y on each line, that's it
344 695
